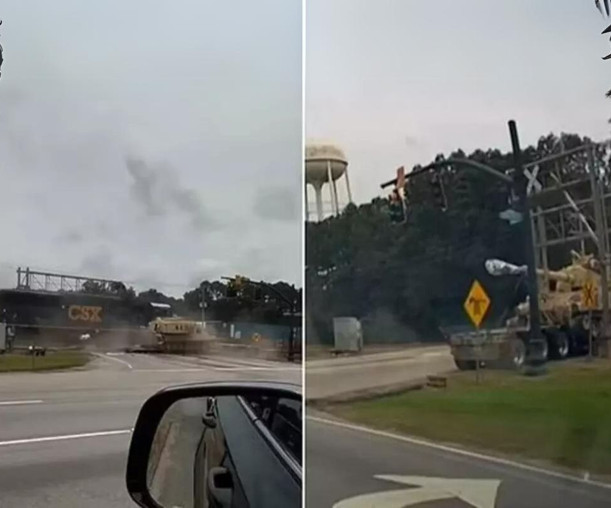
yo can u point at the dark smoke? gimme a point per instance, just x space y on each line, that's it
277 203
158 190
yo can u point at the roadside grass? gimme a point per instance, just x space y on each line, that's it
10 362
562 418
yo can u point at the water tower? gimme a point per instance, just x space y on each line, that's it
325 163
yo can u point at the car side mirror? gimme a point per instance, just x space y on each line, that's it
207 444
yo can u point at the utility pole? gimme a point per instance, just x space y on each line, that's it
203 304
601 233
292 306
536 342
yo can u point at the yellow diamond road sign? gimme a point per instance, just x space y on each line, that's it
477 303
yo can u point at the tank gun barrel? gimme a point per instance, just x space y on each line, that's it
554 275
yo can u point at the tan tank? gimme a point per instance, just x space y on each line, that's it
176 335
561 292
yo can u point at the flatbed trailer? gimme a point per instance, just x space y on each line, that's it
505 347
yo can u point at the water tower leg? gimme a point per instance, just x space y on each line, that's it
348 186
330 182
334 183
319 212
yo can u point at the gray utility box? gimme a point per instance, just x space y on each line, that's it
348 334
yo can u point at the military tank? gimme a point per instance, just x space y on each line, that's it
567 322
176 335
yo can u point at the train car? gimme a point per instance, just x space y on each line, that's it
69 317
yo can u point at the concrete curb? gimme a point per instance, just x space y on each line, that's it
365 394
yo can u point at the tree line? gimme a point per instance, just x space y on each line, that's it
408 281
245 304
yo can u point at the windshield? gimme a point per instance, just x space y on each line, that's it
457 250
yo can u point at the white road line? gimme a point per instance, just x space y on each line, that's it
222 366
169 370
65 437
252 362
112 358
245 368
19 402
458 451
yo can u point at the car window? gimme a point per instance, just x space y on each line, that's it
283 418
285 425
257 404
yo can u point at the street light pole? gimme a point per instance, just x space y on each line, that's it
519 184
536 343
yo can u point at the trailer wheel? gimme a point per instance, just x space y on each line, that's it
515 355
465 364
558 345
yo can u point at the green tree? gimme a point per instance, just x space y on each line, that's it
606 12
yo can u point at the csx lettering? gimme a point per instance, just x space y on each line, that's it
85 313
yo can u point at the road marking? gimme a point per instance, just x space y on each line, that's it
19 402
169 370
201 364
478 493
458 451
65 437
208 369
112 358
244 368
252 362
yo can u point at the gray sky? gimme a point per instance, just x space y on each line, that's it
397 81
154 142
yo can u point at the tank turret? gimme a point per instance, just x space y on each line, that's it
560 291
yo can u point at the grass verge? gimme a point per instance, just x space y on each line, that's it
51 361
563 418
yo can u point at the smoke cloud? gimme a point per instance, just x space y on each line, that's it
157 189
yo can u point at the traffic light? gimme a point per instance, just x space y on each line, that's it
258 293
439 193
396 207
234 286
232 291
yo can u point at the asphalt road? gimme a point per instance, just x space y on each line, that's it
64 436
343 463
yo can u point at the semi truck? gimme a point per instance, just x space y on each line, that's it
570 326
